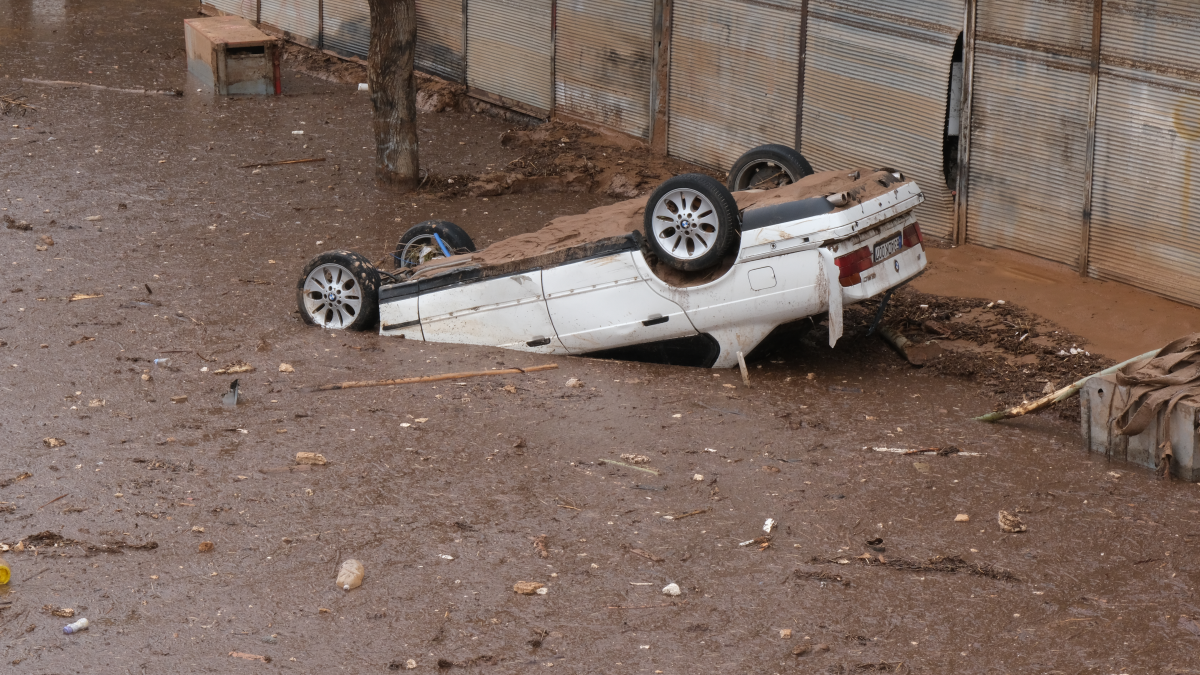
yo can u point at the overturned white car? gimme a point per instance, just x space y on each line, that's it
694 264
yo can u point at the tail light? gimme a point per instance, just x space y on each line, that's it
851 266
912 236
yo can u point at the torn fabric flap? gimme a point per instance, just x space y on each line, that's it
830 286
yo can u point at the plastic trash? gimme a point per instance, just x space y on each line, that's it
363 86
230 399
5 572
671 589
350 575
79 625
163 363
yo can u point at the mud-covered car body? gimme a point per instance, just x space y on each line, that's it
794 259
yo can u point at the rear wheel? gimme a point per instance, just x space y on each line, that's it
339 290
431 239
768 166
690 221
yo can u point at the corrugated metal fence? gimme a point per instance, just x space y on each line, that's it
734 74
1145 227
1029 126
875 92
602 58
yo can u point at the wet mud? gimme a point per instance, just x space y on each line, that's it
186 533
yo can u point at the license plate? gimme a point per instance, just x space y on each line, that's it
888 248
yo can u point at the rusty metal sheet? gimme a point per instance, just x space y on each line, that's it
1154 35
348 27
1145 211
1029 127
299 19
440 39
510 50
603 54
875 94
247 9
1061 27
734 71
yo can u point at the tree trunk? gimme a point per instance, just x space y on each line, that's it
393 92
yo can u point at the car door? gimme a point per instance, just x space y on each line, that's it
507 312
602 303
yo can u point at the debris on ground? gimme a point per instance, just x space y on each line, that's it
574 383
234 368
286 368
74 297
768 525
64 612
350 575
1009 350
205 547
179 399
540 544
949 564
75 627
962 518
44 242
1010 523
51 442
785 633
636 459
671 589
313 458
14 224
527 587
250 657
5 482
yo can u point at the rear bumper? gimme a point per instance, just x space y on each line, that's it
888 274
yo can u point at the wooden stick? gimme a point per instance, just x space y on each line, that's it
669 604
62 83
52 501
283 161
433 378
1060 395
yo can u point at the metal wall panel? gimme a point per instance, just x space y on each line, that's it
1029 127
875 93
510 50
1145 227
1059 26
348 27
440 38
1145 213
734 72
1165 33
603 56
244 8
301 18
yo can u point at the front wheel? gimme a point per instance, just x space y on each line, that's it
339 290
768 166
690 221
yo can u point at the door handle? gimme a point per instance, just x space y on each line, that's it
655 320
538 342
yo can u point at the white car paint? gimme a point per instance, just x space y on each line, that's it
782 273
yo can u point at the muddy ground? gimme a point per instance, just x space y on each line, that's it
452 492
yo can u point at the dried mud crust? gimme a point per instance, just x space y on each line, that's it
1016 354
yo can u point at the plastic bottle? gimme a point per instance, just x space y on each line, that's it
350 575
79 625
5 572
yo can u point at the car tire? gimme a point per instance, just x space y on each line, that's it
768 166
690 221
453 236
339 290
